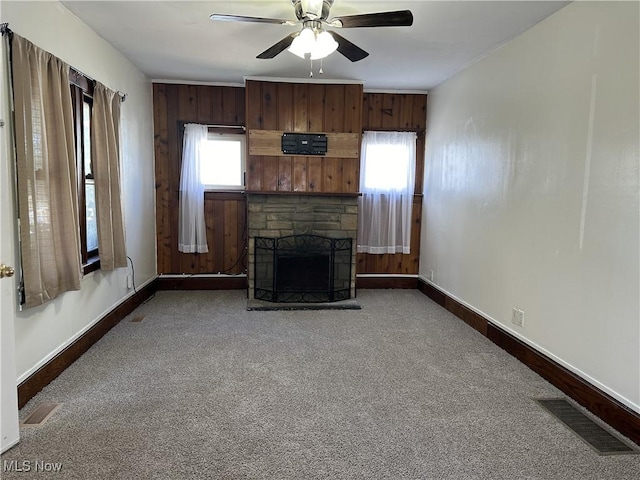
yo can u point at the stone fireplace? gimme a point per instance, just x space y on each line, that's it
323 225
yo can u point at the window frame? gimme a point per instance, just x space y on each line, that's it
81 91
223 133
412 163
376 171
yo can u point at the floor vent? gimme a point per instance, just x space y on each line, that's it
41 414
596 436
138 318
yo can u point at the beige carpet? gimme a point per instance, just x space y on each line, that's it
203 388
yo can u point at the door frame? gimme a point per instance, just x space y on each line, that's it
9 425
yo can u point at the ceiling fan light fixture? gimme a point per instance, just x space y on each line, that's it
324 46
317 44
303 43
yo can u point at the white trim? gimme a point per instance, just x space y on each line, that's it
236 137
79 334
338 81
539 349
196 82
10 445
290 80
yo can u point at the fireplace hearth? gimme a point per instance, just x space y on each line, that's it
302 269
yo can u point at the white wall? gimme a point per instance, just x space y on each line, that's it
42 332
532 190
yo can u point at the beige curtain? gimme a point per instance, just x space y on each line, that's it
46 166
105 151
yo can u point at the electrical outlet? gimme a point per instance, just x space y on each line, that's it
431 275
129 282
517 317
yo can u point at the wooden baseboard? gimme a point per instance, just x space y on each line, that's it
387 282
607 408
464 313
54 367
202 283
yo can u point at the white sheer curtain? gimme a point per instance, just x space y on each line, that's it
387 177
192 233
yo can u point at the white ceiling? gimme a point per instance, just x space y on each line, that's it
175 40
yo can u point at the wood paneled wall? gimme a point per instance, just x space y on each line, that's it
303 107
225 213
296 107
399 112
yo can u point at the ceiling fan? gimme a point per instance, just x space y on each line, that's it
313 39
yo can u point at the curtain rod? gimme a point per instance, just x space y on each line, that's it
226 126
123 96
4 29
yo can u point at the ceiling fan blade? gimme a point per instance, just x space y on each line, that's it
348 49
221 17
400 18
279 47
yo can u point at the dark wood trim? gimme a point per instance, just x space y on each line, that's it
227 130
467 315
93 264
54 367
432 292
390 281
80 80
191 282
305 193
224 195
232 128
421 132
601 404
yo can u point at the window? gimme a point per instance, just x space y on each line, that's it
387 177
387 167
82 97
223 162
61 117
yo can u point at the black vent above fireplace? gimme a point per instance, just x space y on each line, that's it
302 269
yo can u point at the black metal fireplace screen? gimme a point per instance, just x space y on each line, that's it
302 268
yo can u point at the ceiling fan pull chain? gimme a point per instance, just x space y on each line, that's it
311 68
321 71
